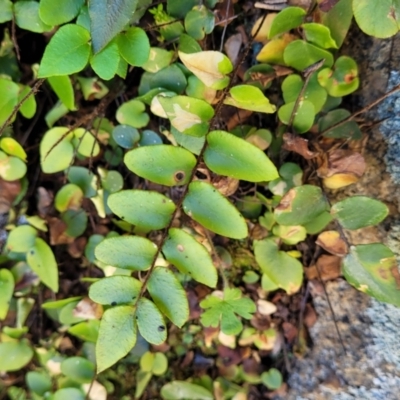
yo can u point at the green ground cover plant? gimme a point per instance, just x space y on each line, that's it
180 188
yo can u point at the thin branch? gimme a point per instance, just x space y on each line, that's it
363 110
34 90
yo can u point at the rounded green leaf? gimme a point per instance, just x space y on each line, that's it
292 85
377 18
187 114
211 67
76 221
68 197
300 55
38 382
115 290
282 270
304 117
11 168
6 11
199 22
78 368
169 295
107 19
63 88
85 143
67 53
14 355
272 379
183 251
42 261
181 390
150 322
105 63
349 129
8 102
319 35
170 78
68 394
163 164
207 206
27 17
125 136
28 107
21 239
134 46
158 59
145 209
160 364
250 98
112 181
133 113
342 79
12 148
129 252
117 336
229 155
83 178
87 331
56 150
359 211
289 18
372 268
6 291
59 12
300 205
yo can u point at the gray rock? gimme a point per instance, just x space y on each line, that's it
370 368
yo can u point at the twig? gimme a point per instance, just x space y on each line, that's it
225 26
363 110
14 38
34 90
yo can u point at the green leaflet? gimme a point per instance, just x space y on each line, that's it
6 292
206 205
359 212
300 205
372 268
229 155
14 355
117 336
163 164
190 257
281 270
221 311
115 290
42 261
129 252
145 209
67 53
107 19
150 322
169 295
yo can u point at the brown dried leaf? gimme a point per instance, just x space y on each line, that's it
298 145
332 243
310 316
237 118
226 185
57 229
44 201
342 161
232 47
88 309
327 5
9 190
230 356
329 268
77 247
289 331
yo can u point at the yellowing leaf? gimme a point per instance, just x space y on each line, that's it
272 52
210 67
